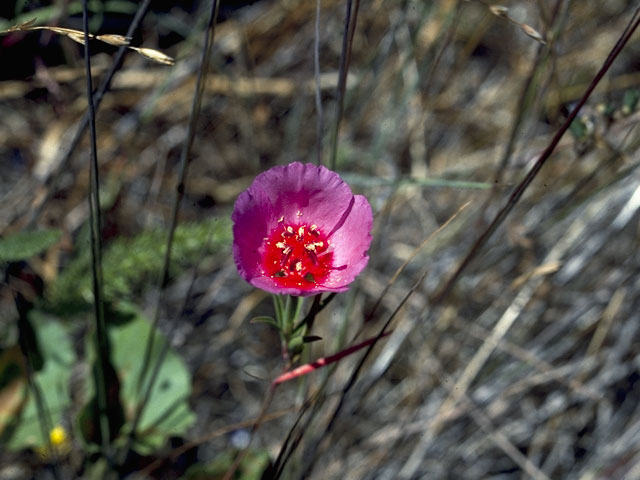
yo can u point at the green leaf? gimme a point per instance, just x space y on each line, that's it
167 412
264 319
24 245
53 383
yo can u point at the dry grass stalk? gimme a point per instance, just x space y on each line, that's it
503 12
78 36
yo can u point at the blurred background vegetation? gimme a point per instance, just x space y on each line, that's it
529 368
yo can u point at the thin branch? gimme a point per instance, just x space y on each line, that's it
95 221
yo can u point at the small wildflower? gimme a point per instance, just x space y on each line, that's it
58 436
58 440
299 230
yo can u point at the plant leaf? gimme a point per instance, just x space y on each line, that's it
24 245
264 319
52 380
167 412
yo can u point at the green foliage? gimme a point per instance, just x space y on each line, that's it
24 245
167 412
52 380
252 467
131 263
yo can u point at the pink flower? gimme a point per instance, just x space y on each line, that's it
299 230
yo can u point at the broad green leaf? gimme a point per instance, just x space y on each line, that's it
52 381
167 412
24 245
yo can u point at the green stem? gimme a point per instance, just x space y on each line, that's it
287 311
101 339
279 309
296 313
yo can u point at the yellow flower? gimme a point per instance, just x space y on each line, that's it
58 436
60 443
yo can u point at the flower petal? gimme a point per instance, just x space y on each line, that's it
306 192
350 244
251 224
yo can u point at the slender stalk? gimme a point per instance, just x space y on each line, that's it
101 339
286 320
279 310
296 313
316 307
318 93
351 18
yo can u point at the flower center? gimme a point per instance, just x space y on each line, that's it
297 256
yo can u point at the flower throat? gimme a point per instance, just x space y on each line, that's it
296 255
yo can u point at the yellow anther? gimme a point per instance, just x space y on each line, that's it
301 232
281 219
298 266
280 245
298 213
